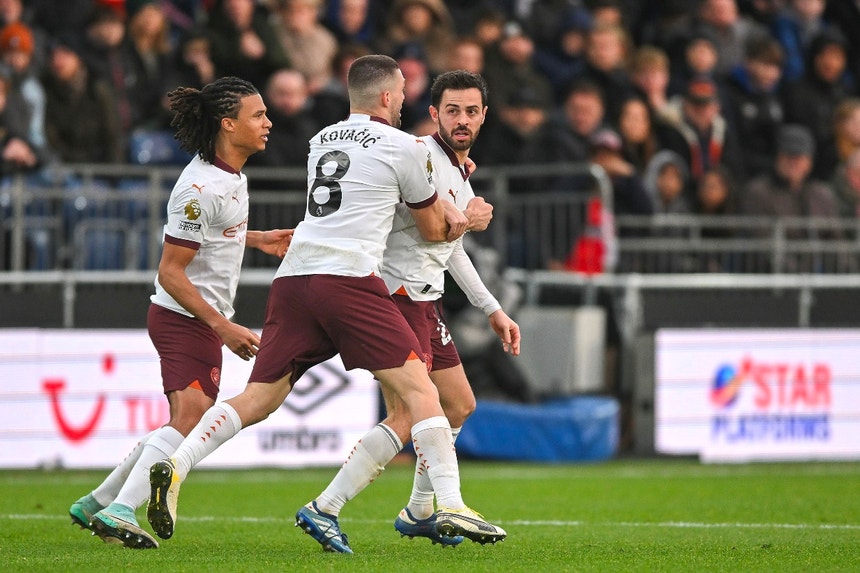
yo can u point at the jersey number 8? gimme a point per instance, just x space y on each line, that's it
341 161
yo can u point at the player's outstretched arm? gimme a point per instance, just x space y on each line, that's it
274 242
171 275
507 330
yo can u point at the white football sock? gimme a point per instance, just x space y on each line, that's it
434 446
107 491
218 424
161 444
366 461
421 500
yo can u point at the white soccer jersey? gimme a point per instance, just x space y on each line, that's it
415 267
208 211
358 171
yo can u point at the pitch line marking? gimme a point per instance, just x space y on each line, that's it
517 522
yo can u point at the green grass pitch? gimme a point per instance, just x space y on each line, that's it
622 515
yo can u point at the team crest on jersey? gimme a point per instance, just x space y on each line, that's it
215 375
193 210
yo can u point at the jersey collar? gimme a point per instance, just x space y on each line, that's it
221 164
455 161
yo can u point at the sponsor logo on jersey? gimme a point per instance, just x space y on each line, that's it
189 226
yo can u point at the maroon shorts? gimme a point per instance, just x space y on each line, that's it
189 351
426 320
311 318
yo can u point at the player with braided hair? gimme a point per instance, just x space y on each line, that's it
205 237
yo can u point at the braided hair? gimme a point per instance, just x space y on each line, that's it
198 113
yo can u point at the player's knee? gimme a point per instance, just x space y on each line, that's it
458 413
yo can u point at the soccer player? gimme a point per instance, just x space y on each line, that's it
205 237
414 272
327 297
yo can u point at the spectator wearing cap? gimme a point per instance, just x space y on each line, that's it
701 134
25 97
81 121
789 190
754 107
26 13
812 100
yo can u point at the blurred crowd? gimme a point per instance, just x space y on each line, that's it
691 106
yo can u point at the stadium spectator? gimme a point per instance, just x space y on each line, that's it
607 53
149 54
650 73
716 198
467 13
640 141
466 54
731 31
413 63
699 58
204 243
192 63
25 94
582 114
665 181
509 65
715 194
789 190
522 134
629 195
754 107
794 27
426 22
244 40
846 129
846 185
702 135
310 47
19 12
812 100
298 332
105 51
562 58
290 104
845 16
16 153
81 123
352 21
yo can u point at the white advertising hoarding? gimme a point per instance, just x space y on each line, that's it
81 398
758 394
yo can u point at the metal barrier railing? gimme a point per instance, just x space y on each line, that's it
110 217
737 244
